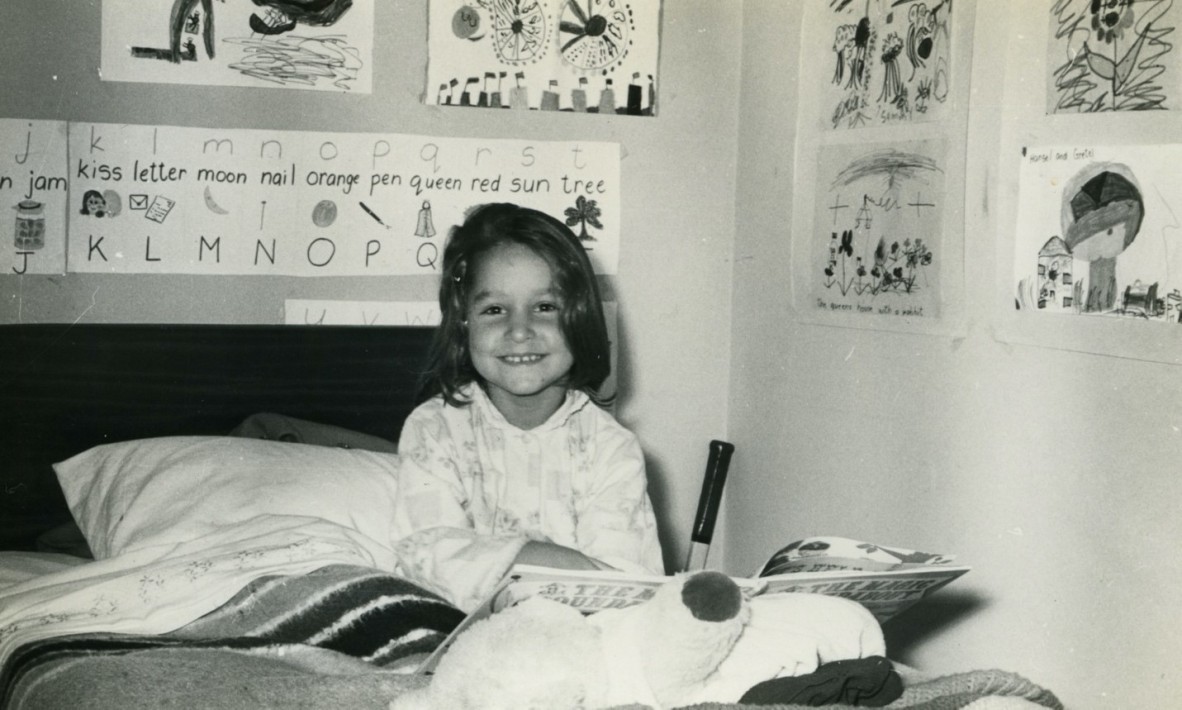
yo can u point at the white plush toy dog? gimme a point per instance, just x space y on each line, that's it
696 640
544 654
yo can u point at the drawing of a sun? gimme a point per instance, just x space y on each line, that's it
520 31
596 34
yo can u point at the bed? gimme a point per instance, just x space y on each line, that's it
249 569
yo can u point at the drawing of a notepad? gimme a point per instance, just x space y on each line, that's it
159 209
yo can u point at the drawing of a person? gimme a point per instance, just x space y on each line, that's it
93 203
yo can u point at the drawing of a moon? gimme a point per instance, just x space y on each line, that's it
212 204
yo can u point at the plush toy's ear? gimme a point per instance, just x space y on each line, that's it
712 596
676 639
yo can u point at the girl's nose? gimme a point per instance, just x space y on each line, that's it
521 328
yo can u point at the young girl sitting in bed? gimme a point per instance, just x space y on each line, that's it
512 459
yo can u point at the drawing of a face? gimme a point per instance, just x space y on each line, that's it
94 204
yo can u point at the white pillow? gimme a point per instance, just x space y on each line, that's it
133 494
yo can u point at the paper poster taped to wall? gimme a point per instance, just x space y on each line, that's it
1114 55
875 252
877 62
324 45
301 311
33 196
584 56
298 311
1098 232
296 203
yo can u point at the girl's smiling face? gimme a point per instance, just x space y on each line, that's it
515 334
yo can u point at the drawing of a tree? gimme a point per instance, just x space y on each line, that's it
1101 220
583 213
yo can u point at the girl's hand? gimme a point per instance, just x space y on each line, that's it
548 554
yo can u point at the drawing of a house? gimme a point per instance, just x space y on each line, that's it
1055 283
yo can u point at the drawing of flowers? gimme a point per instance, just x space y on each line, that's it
892 83
896 267
1120 57
1110 19
843 47
842 252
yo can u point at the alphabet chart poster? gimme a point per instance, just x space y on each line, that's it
296 203
584 56
1098 232
33 195
221 201
325 45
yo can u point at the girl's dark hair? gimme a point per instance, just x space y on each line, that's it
86 200
489 226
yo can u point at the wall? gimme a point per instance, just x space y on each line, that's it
678 178
956 443
942 443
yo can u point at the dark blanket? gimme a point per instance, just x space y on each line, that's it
282 641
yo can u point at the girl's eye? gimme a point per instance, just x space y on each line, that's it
492 311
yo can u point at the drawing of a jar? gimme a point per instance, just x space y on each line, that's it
30 225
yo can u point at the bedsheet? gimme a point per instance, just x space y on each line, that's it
158 589
263 617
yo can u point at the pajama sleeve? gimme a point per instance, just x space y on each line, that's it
615 517
439 548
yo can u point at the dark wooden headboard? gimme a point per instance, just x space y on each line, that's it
66 388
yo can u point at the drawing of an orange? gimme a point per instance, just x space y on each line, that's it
324 213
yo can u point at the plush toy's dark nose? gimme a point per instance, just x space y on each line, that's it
712 596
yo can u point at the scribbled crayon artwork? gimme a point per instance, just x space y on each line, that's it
580 56
1098 232
1112 55
877 239
878 62
323 45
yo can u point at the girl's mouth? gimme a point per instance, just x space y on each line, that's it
522 359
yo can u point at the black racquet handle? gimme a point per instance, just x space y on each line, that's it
712 484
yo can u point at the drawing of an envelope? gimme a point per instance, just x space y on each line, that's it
137 202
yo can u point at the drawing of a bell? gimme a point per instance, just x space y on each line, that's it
425 227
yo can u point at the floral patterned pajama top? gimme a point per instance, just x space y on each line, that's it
473 488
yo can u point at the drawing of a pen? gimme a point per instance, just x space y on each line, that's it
370 212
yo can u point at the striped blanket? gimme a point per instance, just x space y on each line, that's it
338 630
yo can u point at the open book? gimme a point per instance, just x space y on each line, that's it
886 580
